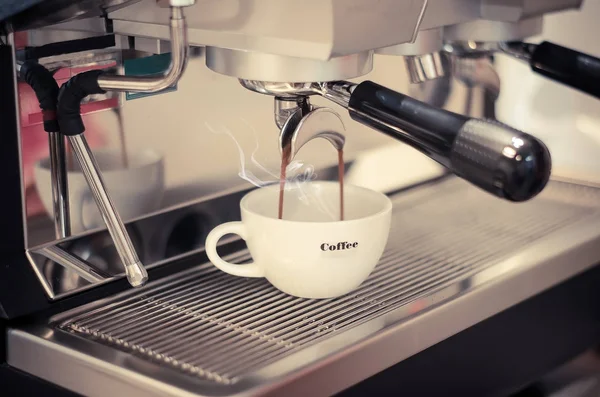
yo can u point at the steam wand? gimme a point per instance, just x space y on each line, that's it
71 125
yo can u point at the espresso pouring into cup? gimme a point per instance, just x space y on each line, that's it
303 125
328 240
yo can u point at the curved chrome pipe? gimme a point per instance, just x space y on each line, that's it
300 128
179 57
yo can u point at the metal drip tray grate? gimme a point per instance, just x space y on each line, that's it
221 328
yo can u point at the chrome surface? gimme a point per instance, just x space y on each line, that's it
179 57
301 128
337 91
425 67
419 21
455 257
60 189
171 233
95 58
426 42
285 107
482 30
479 49
281 89
336 28
464 49
89 26
122 140
136 274
477 71
517 50
250 65
74 264
11 42
51 12
472 65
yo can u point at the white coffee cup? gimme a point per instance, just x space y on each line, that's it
135 190
310 253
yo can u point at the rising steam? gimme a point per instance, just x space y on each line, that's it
297 172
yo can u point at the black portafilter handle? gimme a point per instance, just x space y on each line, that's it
564 65
503 161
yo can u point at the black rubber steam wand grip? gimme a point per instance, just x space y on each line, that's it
70 96
497 158
572 68
45 88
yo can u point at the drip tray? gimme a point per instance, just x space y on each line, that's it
455 257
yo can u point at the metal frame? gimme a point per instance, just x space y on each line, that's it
213 210
20 291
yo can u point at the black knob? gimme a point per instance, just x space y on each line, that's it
499 159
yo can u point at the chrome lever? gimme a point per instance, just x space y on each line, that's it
135 271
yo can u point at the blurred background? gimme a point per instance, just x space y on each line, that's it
568 121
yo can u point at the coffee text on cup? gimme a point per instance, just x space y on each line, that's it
342 245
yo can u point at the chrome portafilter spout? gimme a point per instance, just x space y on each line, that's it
287 106
318 123
305 123
495 157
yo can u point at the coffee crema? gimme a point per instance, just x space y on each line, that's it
285 161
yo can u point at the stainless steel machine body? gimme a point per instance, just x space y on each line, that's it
457 257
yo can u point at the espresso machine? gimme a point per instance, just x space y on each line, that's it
489 279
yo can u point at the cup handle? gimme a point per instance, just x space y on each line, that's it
246 270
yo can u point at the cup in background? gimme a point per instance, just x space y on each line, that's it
135 190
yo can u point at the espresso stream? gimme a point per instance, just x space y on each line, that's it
285 161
